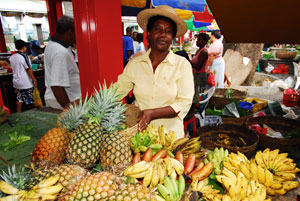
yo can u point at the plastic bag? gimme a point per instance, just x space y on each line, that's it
211 79
37 98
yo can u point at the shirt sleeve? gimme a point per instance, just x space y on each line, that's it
124 83
59 71
186 91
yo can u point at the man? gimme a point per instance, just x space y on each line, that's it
23 78
61 72
135 42
127 45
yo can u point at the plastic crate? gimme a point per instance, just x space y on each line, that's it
290 99
258 104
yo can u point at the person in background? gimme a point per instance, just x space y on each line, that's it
200 59
37 49
135 42
61 72
23 78
127 46
140 49
216 63
162 82
194 47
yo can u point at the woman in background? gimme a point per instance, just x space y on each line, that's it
216 63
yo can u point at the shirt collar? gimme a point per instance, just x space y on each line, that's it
169 58
55 39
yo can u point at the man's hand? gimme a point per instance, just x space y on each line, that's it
144 118
35 83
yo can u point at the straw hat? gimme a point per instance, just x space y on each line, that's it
163 10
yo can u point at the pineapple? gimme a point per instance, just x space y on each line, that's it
85 145
51 149
19 178
106 116
106 186
69 175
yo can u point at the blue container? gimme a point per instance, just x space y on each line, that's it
246 105
34 66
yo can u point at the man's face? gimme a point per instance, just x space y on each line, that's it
70 37
161 35
134 36
200 41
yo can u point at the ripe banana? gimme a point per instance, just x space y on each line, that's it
137 168
8 189
50 189
148 176
155 176
177 165
47 182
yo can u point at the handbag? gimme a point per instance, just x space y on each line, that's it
37 98
211 79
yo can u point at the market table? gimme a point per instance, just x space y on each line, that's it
41 122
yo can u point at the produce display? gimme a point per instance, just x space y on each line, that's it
87 157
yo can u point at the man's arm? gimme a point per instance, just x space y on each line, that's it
30 73
201 60
61 95
129 52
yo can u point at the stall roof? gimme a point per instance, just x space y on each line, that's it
258 21
27 6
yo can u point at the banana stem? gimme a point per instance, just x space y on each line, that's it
5 161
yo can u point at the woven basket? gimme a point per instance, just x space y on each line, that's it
219 101
207 134
130 131
283 54
279 124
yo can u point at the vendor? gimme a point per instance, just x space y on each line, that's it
162 82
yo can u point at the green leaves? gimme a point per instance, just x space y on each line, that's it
17 135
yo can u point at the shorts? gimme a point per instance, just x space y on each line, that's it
25 95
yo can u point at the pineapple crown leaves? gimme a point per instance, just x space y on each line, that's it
106 109
17 177
74 115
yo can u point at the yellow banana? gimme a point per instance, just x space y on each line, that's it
286 167
137 168
155 176
276 185
234 163
253 170
272 157
138 175
239 181
168 140
261 175
230 167
169 166
265 156
8 189
148 176
47 182
259 160
286 176
179 142
243 157
281 191
177 166
161 172
245 170
161 132
268 178
9 198
270 191
173 174
230 175
50 189
242 193
289 185
278 160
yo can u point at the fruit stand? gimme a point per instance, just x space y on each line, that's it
87 152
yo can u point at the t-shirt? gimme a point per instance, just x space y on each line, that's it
127 45
195 61
135 44
171 84
61 70
216 47
140 48
21 79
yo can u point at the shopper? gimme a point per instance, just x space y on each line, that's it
127 46
61 72
23 78
162 82
135 41
216 63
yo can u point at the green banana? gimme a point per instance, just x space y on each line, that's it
175 187
171 154
168 184
181 186
164 192
210 156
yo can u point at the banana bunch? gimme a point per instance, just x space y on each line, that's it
238 187
188 146
172 190
155 171
283 169
208 192
141 141
161 136
217 157
45 190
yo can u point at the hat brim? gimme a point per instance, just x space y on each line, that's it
144 16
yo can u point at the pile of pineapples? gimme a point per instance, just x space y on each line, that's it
86 133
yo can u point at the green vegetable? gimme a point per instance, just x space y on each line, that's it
216 185
292 134
14 140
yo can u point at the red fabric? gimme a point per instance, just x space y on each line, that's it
211 79
192 120
203 16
